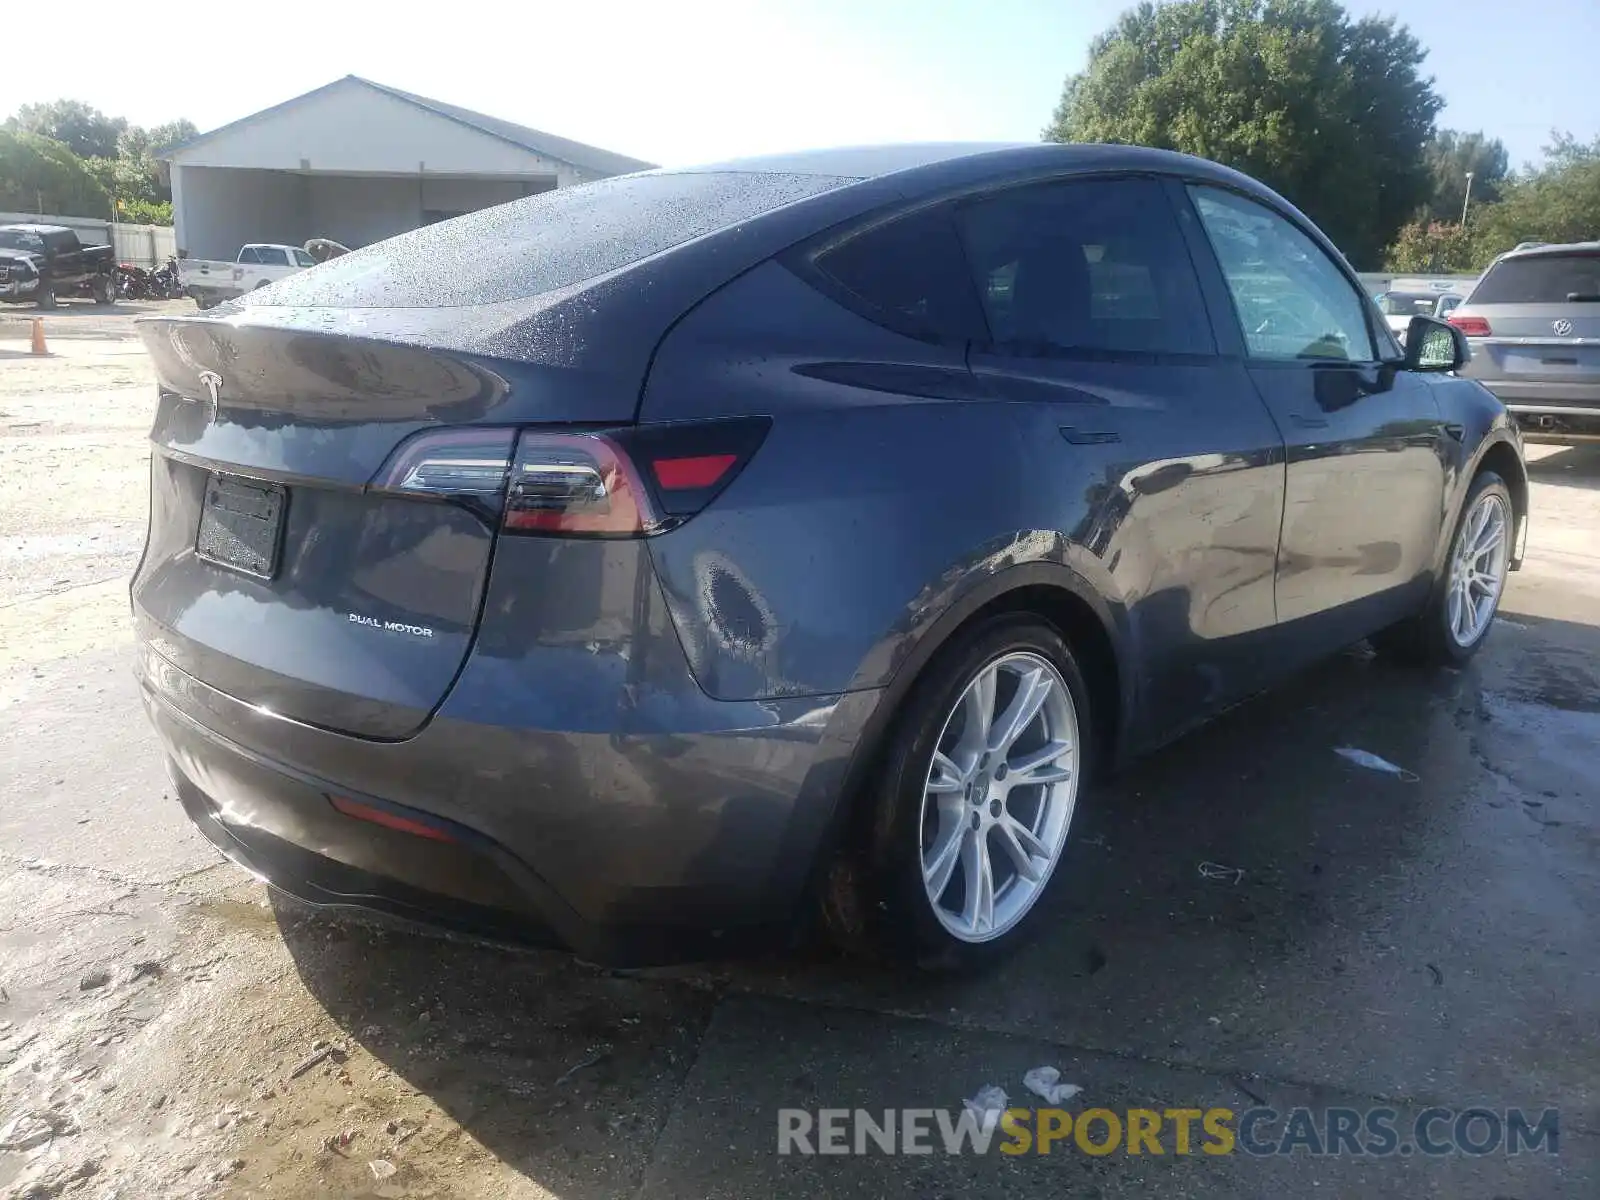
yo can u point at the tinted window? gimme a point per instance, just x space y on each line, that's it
544 242
1541 279
1407 304
21 239
303 259
249 255
908 274
1097 265
272 256
1292 301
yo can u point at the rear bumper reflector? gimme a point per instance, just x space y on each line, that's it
389 820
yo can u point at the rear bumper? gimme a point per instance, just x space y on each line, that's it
627 849
1553 396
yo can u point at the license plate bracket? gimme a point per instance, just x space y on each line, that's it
241 525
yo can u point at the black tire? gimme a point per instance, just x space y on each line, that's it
1426 640
46 299
104 288
874 899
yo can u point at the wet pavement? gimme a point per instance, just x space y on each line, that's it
1374 942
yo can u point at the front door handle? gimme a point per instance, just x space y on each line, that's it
1456 430
1305 422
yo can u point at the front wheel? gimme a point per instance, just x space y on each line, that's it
1453 626
104 289
974 801
46 299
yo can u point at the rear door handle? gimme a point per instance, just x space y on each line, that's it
1089 437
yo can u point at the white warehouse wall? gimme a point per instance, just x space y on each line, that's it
350 128
218 211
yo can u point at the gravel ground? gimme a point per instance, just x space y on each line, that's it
1402 944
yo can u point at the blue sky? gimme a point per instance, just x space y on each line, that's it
678 81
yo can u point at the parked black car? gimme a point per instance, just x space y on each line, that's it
706 545
40 263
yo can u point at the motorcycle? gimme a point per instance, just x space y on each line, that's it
136 283
165 281
133 282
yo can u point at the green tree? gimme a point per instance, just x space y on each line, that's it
146 212
1331 112
43 176
1432 248
1450 155
1556 202
84 130
142 176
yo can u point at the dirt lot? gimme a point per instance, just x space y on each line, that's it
1388 943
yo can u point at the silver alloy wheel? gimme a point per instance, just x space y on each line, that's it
999 796
1478 569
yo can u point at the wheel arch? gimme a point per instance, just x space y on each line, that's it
1056 594
1501 456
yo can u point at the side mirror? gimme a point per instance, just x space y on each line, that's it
1434 345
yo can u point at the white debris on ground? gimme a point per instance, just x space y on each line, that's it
990 1099
1045 1082
1369 760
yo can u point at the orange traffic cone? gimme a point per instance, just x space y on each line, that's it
38 337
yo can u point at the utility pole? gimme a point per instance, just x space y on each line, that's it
1467 199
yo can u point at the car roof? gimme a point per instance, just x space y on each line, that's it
979 160
854 162
1548 248
29 227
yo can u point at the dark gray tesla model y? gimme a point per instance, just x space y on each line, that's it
651 563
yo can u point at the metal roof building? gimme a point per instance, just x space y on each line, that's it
356 161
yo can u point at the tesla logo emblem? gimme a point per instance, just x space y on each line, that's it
212 382
1563 328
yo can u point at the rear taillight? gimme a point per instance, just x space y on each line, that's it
467 466
581 483
629 482
1471 326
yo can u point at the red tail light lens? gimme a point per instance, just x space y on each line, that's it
1471 326
577 483
683 474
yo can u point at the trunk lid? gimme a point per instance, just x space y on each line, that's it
274 570
1543 312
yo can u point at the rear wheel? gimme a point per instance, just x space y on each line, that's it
1461 610
975 800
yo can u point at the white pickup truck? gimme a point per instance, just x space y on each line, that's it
211 282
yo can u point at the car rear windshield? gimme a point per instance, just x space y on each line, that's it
1541 279
1406 304
544 242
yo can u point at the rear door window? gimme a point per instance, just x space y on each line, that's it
273 256
1091 265
1293 302
249 255
907 274
1572 278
